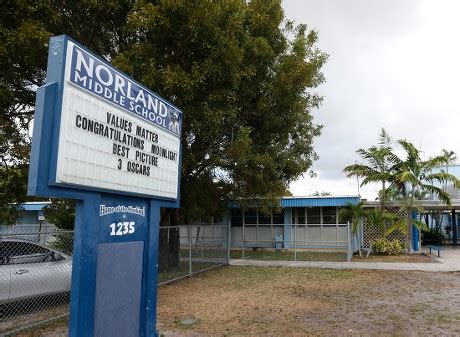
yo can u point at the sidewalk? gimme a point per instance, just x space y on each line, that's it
446 265
450 256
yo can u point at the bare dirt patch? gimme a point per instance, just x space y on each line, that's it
255 301
289 302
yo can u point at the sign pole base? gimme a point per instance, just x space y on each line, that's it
115 267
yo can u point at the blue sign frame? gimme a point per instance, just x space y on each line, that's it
111 227
44 153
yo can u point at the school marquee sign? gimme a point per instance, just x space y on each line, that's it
114 133
113 145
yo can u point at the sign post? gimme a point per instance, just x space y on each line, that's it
103 139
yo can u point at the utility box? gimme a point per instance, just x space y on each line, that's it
279 242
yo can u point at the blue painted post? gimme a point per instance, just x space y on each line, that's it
152 270
415 235
454 229
84 268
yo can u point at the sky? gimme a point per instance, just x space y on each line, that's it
392 64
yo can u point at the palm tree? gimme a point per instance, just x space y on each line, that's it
450 158
353 214
414 176
380 160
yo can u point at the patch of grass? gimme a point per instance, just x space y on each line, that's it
289 255
418 308
183 269
406 258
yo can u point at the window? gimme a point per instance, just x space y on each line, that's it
236 217
278 218
300 215
329 215
217 219
265 219
313 215
17 252
250 217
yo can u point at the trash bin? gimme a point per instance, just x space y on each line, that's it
278 242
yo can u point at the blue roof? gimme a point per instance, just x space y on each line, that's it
318 201
287 202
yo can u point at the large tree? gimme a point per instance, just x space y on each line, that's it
23 39
241 73
25 29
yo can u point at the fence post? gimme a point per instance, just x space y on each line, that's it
295 242
229 234
202 239
244 238
350 250
190 250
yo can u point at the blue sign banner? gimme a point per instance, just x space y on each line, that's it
92 74
122 221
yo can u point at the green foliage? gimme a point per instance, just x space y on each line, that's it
380 161
13 184
25 29
61 213
240 72
411 178
243 86
321 194
414 176
63 242
381 218
353 214
431 236
387 247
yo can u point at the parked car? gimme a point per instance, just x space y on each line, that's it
29 269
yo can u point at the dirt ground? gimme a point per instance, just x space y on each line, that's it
296 302
257 301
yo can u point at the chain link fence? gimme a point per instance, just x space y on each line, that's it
292 242
35 275
36 266
187 250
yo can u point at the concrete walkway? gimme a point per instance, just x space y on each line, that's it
450 261
450 256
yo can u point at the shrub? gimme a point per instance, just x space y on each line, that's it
387 247
432 236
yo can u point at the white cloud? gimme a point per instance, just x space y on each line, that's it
393 64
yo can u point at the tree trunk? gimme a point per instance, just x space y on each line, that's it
382 201
409 232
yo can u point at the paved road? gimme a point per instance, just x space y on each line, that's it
450 261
